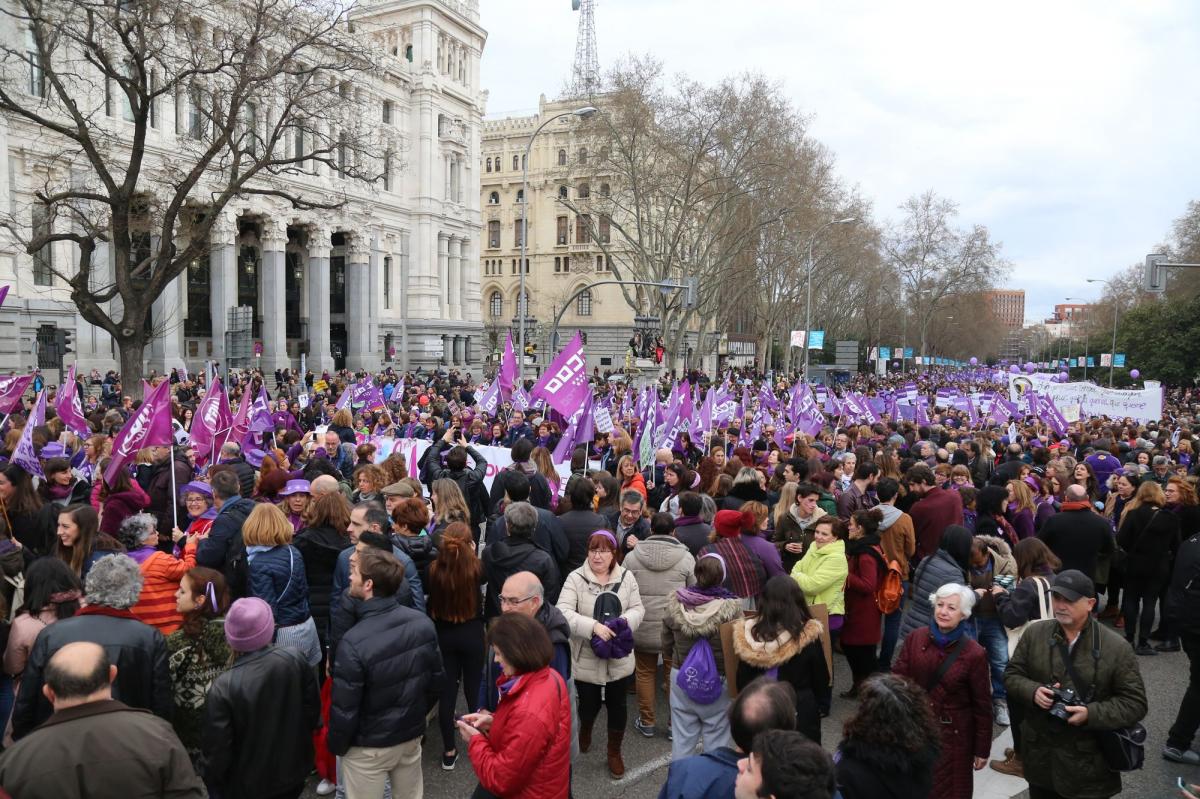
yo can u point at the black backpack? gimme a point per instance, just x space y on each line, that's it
608 603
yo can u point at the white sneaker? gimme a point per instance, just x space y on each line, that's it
325 787
1001 712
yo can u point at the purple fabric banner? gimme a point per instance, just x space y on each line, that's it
24 454
564 385
149 426
66 405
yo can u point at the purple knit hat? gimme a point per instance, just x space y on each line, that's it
249 625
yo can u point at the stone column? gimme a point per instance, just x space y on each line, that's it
359 352
375 296
222 265
455 269
272 296
442 276
468 346
317 282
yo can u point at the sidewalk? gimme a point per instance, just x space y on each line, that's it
991 784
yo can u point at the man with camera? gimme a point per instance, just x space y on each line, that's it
1076 681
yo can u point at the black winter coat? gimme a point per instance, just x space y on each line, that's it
470 481
539 490
577 527
1078 538
548 536
163 501
508 556
868 771
320 547
224 550
387 676
739 495
138 650
1149 537
245 474
1183 596
258 724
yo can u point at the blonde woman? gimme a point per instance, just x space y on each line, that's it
449 506
545 465
277 577
1021 508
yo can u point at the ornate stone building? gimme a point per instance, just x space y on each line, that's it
390 278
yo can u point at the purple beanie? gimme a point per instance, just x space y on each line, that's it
249 625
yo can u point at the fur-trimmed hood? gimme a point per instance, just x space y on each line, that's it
704 620
765 655
997 545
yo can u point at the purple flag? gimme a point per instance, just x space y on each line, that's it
564 385
213 419
1052 416
580 431
260 413
809 425
11 391
507 376
149 426
520 398
372 398
490 400
24 454
240 423
3 294
66 404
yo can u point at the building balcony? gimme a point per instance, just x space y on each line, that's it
582 247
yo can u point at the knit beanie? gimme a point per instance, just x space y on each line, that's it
249 625
729 523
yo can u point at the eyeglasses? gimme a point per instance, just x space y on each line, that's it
195 501
508 601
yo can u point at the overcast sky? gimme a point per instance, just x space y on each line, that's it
1068 128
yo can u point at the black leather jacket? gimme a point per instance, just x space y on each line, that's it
387 675
259 722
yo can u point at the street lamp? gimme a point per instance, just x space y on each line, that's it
1112 356
583 113
808 280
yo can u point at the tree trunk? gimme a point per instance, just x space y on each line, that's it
132 349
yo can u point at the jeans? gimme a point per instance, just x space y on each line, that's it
1188 718
692 721
462 647
646 676
993 637
891 634
1141 595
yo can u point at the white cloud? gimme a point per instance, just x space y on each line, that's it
1067 128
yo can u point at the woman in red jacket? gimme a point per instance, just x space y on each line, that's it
861 628
524 750
961 699
631 479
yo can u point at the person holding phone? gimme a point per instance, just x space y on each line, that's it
524 749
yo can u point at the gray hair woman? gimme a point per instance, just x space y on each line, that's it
161 572
959 694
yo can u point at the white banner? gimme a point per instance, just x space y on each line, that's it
797 339
1082 400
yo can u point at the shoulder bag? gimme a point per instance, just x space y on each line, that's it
1045 611
1123 749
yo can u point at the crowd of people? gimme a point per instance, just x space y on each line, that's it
301 599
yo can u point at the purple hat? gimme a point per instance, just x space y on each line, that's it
53 449
249 625
295 487
196 487
617 647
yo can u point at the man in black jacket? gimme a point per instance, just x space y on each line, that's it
517 553
163 493
549 535
138 650
630 524
1183 612
231 455
470 481
386 678
539 489
1077 535
223 548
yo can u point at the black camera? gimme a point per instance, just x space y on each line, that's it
1063 697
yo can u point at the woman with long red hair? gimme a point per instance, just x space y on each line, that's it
455 607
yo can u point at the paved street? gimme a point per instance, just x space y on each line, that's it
646 759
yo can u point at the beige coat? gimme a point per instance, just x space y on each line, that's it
576 600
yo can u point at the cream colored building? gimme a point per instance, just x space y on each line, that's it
391 278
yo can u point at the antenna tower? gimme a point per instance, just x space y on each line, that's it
586 78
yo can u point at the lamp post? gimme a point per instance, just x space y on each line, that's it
582 113
808 281
1112 356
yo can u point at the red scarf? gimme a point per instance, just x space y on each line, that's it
1081 504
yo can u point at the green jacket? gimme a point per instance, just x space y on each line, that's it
1057 756
821 575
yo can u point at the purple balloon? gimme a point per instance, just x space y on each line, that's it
1029 367
1063 376
1135 374
974 361
1014 369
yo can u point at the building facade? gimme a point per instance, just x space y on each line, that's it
1009 307
389 278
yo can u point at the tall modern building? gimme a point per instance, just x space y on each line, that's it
389 278
1008 305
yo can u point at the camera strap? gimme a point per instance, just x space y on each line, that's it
1086 692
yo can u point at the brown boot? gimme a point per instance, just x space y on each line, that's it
585 734
615 764
1011 765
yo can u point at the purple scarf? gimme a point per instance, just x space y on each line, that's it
694 597
684 521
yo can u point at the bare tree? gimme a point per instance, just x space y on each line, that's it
256 94
935 261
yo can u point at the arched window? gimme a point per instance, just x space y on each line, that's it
582 155
584 191
520 195
562 157
494 198
516 163
583 303
562 192
489 165
604 190
496 305
603 154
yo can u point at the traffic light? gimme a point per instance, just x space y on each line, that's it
690 287
1156 275
64 340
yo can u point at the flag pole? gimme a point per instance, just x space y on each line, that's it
174 490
